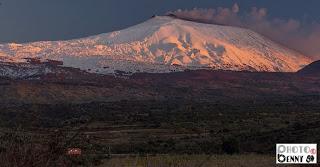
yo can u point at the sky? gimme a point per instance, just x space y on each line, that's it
38 20
32 20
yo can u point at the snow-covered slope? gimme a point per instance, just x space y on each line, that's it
164 44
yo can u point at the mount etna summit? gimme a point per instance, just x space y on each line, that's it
159 45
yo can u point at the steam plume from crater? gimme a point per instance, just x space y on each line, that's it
301 36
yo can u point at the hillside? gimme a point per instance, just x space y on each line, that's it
311 69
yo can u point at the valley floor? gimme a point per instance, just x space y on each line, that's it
249 160
140 128
233 116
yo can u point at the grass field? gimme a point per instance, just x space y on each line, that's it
157 128
181 118
250 160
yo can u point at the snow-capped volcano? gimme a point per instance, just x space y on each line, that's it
164 44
